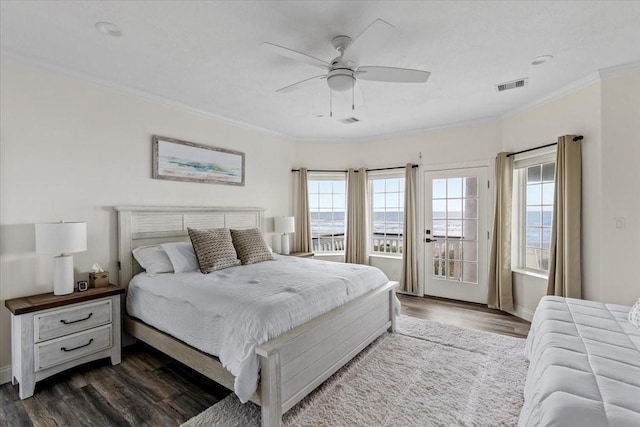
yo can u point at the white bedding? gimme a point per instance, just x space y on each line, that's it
228 313
584 366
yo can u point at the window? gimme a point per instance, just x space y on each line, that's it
327 207
387 214
535 180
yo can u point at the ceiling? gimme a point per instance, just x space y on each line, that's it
207 55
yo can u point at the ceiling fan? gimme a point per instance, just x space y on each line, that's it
344 71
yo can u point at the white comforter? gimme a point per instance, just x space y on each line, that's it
246 306
584 366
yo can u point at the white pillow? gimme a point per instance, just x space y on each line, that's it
182 256
153 259
634 314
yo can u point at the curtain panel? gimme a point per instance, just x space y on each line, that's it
500 278
409 276
565 263
302 238
357 247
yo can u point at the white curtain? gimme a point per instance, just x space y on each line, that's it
302 238
500 278
356 250
409 277
565 263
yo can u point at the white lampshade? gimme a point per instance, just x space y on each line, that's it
284 225
61 237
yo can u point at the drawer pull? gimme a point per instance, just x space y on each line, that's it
75 348
76 321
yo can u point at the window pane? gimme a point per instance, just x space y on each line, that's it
402 184
454 228
393 184
533 258
454 250
546 238
548 172
547 194
471 208
439 188
378 185
470 251
392 200
312 186
325 186
378 201
338 186
470 231
471 187
534 237
533 174
547 215
544 264
454 208
326 201
454 187
453 271
338 201
439 228
313 202
470 272
439 209
534 215
534 194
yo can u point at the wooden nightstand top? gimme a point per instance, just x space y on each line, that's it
33 303
302 254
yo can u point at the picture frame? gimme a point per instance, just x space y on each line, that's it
177 160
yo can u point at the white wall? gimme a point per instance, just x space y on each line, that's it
70 150
620 197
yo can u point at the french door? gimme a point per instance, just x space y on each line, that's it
455 235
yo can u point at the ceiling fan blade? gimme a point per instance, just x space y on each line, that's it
370 38
294 54
392 74
300 84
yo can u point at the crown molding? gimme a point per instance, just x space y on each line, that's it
34 62
620 70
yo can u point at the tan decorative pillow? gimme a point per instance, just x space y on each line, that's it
214 249
250 246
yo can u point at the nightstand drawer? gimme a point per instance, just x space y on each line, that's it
58 323
55 352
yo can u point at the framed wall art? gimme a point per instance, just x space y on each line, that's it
178 160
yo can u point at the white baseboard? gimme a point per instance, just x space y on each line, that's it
523 313
5 374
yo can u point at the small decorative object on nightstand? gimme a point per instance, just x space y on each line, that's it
302 254
284 225
50 333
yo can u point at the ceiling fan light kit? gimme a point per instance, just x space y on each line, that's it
343 72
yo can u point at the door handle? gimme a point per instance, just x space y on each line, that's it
428 240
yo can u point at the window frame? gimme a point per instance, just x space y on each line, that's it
328 176
379 175
519 203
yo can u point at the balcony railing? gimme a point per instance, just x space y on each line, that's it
328 243
381 243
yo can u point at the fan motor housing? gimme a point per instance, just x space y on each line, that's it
341 79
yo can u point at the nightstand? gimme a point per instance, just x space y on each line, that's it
52 333
302 254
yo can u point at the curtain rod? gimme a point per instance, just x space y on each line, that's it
345 171
575 138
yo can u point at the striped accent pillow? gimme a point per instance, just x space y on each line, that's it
214 249
250 246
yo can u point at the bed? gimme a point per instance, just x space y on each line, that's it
584 365
291 364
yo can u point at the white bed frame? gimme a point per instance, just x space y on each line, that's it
291 365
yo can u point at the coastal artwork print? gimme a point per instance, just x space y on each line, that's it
178 160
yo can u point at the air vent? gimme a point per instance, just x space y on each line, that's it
349 120
512 84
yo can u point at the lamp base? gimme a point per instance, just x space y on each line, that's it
63 275
284 250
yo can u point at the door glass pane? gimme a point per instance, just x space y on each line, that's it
438 268
453 270
470 251
470 272
439 228
471 208
454 208
454 227
439 188
470 231
438 250
454 187
439 209
454 250
471 187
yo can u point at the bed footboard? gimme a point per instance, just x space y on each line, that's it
295 363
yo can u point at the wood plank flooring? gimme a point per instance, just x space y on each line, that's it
151 389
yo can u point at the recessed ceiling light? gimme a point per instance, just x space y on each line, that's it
541 59
109 29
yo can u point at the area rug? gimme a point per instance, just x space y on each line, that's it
428 374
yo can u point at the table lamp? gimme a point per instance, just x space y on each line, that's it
284 225
61 238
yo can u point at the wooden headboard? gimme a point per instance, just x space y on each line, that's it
152 225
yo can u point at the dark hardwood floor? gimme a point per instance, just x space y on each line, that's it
151 389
